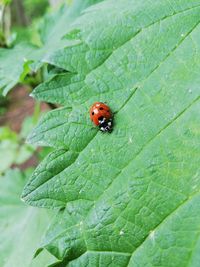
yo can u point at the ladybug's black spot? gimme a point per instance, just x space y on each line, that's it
93 113
101 108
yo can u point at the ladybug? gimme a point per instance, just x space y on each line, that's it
101 116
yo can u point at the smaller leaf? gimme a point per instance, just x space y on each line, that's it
14 65
21 227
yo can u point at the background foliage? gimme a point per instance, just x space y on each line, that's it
130 198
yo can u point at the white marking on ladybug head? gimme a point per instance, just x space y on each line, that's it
102 129
95 111
109 123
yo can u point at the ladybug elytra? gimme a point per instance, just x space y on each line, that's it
101 116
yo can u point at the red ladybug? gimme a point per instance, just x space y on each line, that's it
101 116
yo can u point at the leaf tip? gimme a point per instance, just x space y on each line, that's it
30 138
23 196
22 199
31 94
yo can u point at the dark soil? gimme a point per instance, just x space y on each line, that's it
19 107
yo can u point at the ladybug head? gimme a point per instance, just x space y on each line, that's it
105 125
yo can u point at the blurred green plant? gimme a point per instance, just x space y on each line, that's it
21 227
35 8
13 149
13 146
3 104
5 23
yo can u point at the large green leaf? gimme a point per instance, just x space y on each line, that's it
21 227
130 198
